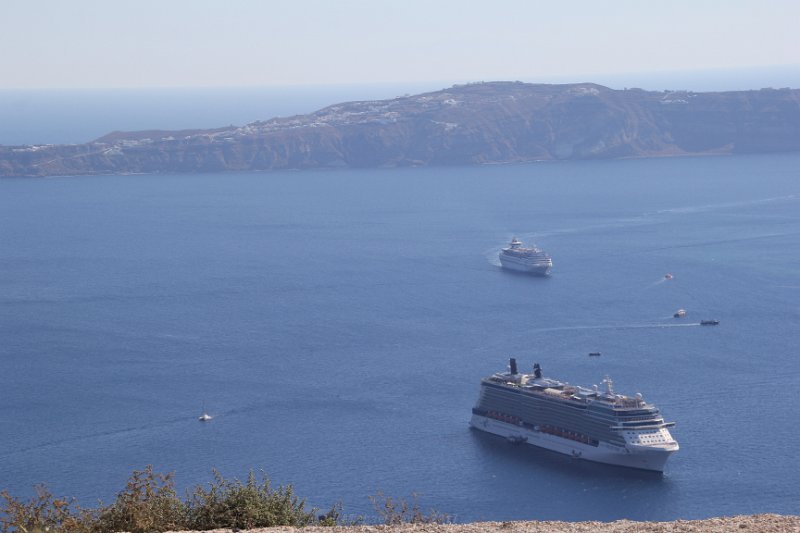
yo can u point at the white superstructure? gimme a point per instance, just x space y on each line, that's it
590 424
531 260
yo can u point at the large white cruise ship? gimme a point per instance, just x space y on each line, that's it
531 260
584 423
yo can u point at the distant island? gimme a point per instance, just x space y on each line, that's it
480 123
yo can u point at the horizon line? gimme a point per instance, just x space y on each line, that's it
549 79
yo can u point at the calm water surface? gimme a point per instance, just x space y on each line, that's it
337 324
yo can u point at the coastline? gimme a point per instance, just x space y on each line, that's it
479 123
763 523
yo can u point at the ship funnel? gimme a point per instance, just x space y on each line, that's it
609 386
537 371
512 365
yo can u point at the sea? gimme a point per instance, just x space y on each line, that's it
336 325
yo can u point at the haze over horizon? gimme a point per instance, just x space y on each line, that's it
186 43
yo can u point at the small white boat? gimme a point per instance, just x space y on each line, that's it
205 417
680 313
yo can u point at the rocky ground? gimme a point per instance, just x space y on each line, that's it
763 523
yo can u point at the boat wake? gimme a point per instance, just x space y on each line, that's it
493 256
661 216
655 325
722 206
703 244
91 436
621 223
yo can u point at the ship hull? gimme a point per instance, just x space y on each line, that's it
641 457
539 269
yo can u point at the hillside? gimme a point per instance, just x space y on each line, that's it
499 122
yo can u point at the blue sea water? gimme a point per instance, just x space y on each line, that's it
337 324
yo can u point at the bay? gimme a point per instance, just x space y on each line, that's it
337 324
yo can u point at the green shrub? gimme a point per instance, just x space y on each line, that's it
148 503
234 504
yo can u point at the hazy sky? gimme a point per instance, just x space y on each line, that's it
157 43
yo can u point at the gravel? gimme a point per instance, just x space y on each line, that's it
762 523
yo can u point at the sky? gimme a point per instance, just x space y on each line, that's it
243 43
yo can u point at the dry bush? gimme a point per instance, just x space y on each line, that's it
395 511
43 512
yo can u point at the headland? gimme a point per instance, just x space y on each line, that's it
480 123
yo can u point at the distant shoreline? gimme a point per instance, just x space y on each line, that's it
472 124
329 169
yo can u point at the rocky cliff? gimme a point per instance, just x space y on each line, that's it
499 122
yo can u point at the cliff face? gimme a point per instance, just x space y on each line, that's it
479 123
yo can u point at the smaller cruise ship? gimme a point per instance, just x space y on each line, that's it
531 260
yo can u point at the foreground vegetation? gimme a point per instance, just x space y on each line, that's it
149 503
